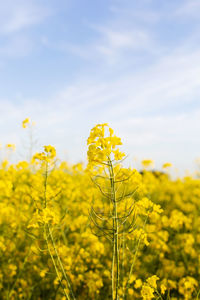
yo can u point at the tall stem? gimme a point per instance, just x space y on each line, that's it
115 262
60 263
54 263
133 261
45 184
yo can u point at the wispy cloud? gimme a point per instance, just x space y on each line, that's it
20 14
140 15
16 47
112 44
188 8
16 17
124 33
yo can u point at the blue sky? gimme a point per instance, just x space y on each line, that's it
71 64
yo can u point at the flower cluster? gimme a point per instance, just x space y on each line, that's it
163 232
47 155
102 145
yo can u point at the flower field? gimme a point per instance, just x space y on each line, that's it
100 231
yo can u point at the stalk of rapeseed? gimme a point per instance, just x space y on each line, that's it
46 217
104 158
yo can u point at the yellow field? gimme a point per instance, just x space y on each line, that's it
97 232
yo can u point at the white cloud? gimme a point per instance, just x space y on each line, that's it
129 12
17 46
112 45
20 14
124 39
172 81
189 8
15 18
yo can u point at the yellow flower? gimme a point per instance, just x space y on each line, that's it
187 286
163 288
43 273
147 292
12 270
50 151
147 163
25 122
48 155
152 281
130 291
118 155
166 165
11 147
138 284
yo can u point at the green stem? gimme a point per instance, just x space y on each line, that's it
115 264
45 184
133 262
60 263
54 263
